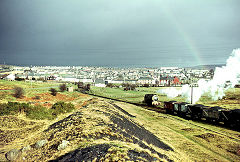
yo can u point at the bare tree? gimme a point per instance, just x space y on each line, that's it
87 87
63 87
53 91
132 87
18 92
110 85
146 85
80 84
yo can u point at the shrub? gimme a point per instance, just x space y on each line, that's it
18 92
35 112
37 97
146 85
4 110
126 89
63 87
110 85
88 86
80 84
53 91
13 108
129 87
39 113
85 89
62 107
19 79
125 84
132 87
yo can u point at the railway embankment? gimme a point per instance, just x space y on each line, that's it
97 131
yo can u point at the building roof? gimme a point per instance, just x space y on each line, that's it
145 78
166 78
99 81
3 76
69 76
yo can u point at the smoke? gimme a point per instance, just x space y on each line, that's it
223 79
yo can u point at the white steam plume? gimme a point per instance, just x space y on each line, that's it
215 87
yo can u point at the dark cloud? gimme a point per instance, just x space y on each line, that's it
118 33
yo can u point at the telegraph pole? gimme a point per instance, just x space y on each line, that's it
191 91
191 94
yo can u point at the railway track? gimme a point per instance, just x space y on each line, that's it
207 129
190 123
161 110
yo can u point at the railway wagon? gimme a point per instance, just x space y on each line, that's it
175 107
213 113
195 111
198 112
168 106
234 118
225 116
180 108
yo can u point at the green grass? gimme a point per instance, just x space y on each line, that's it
26 84
136 96
30 89
119 93
230 101
173 131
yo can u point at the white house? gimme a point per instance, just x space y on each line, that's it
116 81
69 78
100 85
146 80
86 80
11 77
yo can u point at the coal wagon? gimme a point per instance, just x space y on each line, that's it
213 113
169 106
195 111
180 108
234 118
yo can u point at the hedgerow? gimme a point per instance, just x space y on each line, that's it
39 113
62 107
35 112
12 108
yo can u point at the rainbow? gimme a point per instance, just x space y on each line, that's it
186 38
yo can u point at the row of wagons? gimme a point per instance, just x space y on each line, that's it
202 112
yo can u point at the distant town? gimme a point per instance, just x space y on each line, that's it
102 76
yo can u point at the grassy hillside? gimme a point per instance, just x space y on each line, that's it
107 130
30 88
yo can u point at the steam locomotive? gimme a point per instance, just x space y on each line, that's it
151 99
185 110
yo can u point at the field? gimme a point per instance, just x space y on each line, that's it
230 101
135 96
109 130
30 88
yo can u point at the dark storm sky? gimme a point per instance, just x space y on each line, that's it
118 32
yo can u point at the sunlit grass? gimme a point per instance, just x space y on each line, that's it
230 101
